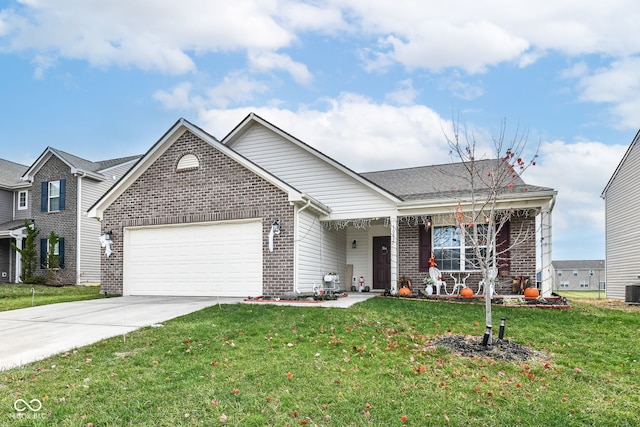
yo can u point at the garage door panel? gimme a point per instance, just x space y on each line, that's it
213 259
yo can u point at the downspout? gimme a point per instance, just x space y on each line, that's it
545 250
295 244
80 175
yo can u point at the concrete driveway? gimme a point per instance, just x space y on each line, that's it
31 334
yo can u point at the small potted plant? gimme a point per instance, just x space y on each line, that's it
428 281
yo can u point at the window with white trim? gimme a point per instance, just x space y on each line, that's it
53 196
602 284
22 200
454 249
584 284
575 273
564 284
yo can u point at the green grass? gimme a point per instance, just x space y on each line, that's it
13 296
577 295
372 364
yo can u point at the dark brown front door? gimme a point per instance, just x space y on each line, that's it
382 262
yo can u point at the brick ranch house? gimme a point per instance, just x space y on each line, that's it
263 213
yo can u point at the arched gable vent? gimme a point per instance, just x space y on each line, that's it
188 162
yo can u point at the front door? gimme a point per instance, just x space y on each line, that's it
382 262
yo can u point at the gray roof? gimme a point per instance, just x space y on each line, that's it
442 181
10 174
12 225
579 264
88 165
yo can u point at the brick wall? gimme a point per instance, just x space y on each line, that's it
220 189
64 222
523 257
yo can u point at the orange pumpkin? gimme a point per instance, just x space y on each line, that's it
466 292
531 293
404 292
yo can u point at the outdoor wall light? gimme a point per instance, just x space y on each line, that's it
429 223
354 244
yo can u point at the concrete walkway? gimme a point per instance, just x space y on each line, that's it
31 334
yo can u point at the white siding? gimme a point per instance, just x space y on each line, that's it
90 249
622 236
359 257
319 251
347 197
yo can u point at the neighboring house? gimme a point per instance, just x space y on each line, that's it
262 213
15 207
57 189
622 238
579 275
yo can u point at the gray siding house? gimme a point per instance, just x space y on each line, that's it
15 207
579 275
54 194
262 213
622 238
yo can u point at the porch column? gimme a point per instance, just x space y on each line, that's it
393 225
546 284
18 268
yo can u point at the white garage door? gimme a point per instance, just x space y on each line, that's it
205 259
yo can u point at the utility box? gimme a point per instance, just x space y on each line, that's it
632 294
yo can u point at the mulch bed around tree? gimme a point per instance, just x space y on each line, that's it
553 302
470 346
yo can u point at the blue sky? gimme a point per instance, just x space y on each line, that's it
370 83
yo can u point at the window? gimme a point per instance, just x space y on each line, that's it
58 251
584 284
53 196
454 249
564 284
559 273
575 273
602 285
22 200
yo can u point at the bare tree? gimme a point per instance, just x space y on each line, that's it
486 180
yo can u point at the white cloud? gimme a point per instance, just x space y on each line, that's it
354 130
405 94
235 88
266 61
618 84
579 172
148 35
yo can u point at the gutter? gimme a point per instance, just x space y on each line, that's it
79 175
447 203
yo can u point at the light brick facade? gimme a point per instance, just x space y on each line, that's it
220 189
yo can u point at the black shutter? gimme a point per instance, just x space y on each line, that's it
43 253
63 193
61 252
503 241
44 206
424 247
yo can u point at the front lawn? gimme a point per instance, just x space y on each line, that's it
372 364
13 296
